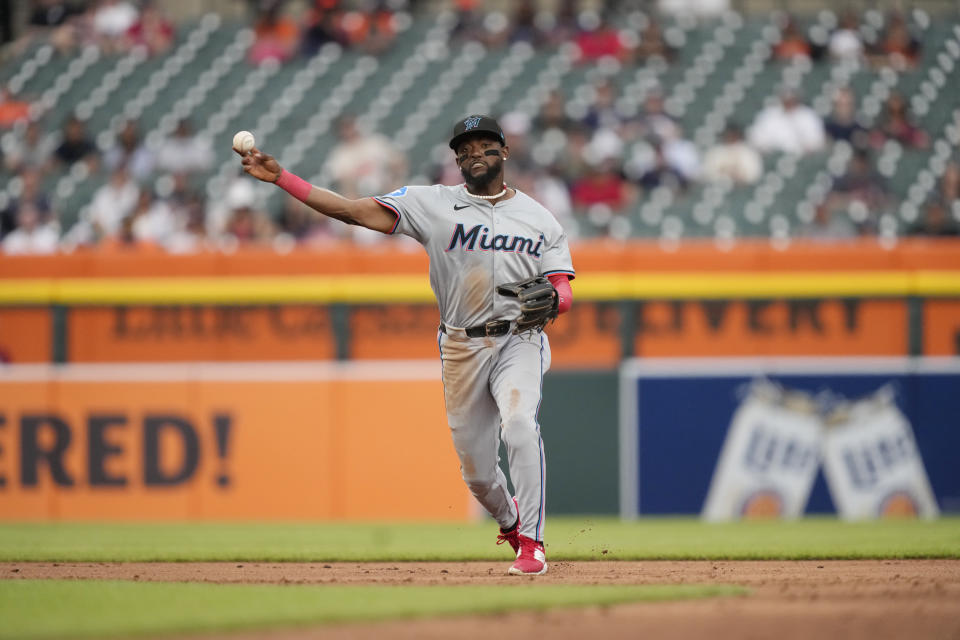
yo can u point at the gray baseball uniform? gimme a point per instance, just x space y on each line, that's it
492 385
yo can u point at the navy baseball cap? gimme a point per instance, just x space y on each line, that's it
476 124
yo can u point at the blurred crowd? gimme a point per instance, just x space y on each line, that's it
602 153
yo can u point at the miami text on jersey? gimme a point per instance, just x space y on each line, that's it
469 239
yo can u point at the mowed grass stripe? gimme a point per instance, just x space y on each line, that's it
83 609
567 539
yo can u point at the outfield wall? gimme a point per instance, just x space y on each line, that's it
632 298
240 442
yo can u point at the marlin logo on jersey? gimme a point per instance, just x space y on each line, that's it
471 123
480 235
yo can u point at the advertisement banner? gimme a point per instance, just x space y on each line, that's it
872 463
227 441
769 459
675 415
715 328
589 336
200 333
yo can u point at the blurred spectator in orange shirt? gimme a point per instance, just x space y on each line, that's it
370 27
792 42
12 110
897 47
276 37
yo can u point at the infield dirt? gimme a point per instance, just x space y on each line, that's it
872 599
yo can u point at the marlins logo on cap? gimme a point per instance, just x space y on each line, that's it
473 125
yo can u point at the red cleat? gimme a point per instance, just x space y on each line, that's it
531 559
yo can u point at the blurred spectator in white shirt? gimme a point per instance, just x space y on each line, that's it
733 159
552 192
31 235
184 152
238 194
113 202
682 155
364 164
153 219
845 43
192 237
26 150
788 126
829 225
111 21
704 8
130 151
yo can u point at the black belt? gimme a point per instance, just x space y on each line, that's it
490 329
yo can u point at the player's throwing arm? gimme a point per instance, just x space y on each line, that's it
364 212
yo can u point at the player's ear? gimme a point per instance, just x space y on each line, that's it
505 151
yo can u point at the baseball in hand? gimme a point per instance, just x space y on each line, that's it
243 141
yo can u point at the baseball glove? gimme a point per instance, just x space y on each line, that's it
538 302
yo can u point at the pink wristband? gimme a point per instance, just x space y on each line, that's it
294 185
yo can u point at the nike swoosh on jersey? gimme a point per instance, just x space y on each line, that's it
456 208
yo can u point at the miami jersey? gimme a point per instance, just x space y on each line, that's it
475 245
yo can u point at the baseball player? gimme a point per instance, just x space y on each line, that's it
500 269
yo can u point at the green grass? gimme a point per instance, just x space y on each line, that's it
74 609
587 538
